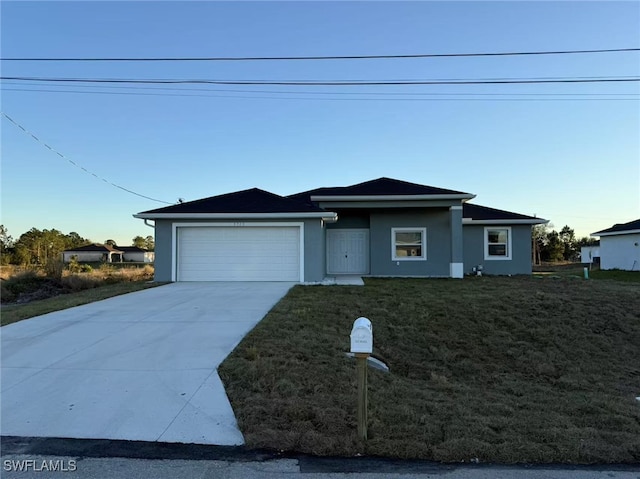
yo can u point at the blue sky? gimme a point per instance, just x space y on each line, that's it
569 153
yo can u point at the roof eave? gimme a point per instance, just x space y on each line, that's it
327 198
533 221
226 216
614 233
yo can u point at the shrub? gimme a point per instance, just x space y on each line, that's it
53 268
24 284
86 268
76 282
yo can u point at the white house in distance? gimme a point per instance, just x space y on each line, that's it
94 253
590 254
620 246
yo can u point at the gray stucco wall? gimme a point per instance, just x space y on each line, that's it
162 264
314 246
436 220
520 262
350 219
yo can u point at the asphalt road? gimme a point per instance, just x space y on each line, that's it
40 458
123 468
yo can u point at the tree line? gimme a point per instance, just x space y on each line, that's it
39 247
550 245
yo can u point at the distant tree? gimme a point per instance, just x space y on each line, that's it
149 243
554 249
74 240
39 246
138 241
539 239
586 241
110 242
568 238
6 246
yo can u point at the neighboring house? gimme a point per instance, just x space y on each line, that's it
136 254
590 254
620 246
383 227
94 253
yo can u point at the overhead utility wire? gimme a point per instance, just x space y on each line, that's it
231 90
322 83
76 164
337 57
281 98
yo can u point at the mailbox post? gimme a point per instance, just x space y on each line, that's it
362 347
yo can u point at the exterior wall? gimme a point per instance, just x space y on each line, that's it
350 219
438 248
85 256
162 265
588 254
139 256
314 246
520 262
620 252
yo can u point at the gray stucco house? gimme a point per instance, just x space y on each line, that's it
383 227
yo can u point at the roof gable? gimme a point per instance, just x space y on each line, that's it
253 200
100 248
379 187
620 228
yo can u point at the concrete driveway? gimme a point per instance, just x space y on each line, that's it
142 366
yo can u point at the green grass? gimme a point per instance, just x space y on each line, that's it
506 370
17 312
576 270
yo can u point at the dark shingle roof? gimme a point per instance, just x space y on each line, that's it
101 248
247 201
620 228
132 249
379 187
477 212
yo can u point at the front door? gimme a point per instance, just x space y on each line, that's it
347 251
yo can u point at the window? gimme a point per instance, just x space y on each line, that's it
409 244
497 243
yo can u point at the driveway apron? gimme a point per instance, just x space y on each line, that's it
141 366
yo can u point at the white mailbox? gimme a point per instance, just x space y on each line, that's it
362 336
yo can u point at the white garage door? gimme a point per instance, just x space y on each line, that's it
266 253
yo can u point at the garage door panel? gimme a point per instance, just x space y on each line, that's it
238 254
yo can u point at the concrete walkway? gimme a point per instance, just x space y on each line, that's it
139 367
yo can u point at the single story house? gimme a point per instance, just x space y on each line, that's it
383 227
136 254
94 253
620 246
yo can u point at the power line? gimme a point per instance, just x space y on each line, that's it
337 57
231 90
325 83
257 97
76 164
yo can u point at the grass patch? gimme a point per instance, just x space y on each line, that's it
506 370
576 270
17 312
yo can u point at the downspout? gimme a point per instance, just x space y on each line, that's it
150 226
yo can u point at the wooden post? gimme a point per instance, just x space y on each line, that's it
362 367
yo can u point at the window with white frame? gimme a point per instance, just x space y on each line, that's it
409 244
497 243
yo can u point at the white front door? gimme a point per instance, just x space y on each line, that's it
348 251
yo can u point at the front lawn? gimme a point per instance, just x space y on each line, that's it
506 370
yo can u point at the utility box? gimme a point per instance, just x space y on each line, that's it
362 336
